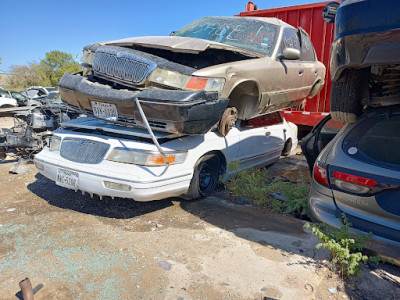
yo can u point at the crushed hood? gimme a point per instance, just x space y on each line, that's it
177 44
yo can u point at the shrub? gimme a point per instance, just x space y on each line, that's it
344 246
257 187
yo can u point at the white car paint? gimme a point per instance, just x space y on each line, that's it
254 147
6 100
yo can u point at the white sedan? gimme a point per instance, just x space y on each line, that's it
6 100
99 157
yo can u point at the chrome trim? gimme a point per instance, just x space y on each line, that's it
83 150
121 65
261 155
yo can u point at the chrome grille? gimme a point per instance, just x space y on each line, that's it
122 65
83 151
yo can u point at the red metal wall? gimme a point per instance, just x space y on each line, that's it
308 17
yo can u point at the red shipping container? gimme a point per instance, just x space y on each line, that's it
308 17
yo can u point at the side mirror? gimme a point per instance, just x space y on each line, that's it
329 12
290 53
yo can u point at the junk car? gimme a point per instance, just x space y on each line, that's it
187 80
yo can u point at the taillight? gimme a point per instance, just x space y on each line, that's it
320 174
354 179
353 183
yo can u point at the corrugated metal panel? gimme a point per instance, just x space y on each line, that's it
308 17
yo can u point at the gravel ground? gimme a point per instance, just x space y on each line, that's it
82 248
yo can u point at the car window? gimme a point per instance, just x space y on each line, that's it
17 96
32 93
266 120
290 39
307 49
4 94
332 126
376 141
246 33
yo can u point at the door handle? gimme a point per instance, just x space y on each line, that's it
267 133
301 71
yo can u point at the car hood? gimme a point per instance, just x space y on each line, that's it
178 44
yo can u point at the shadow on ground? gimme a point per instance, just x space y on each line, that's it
286 233
258 225
116 208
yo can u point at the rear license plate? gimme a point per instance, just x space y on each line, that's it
67 179
105 110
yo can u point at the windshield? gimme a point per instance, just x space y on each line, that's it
245 33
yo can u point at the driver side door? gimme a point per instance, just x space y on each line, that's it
289 74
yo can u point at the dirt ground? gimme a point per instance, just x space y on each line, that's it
82 248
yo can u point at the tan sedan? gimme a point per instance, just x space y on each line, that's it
185 82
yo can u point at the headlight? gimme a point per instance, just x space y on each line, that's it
182 81
146 158
87 56
55 143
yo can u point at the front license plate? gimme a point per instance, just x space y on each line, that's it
67 179
105 110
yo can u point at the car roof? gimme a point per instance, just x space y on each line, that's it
274 21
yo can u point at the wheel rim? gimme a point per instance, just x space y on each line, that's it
206 179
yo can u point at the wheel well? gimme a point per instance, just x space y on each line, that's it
245 97
315 87
222 160
288 143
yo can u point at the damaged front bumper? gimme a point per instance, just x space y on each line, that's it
174 111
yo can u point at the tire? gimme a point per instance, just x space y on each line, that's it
347 94
205 177
287 147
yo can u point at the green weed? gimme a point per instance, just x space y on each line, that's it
344 246
257 187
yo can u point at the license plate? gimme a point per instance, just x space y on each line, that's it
105 110
67 179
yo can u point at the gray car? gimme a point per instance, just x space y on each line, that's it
358 173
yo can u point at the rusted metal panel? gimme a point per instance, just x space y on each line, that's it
308 17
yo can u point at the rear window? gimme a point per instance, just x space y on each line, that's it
266 120
376 140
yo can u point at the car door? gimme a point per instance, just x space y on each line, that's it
308 60
21 99
289 79
318 138
261 140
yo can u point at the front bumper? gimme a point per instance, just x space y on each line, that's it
146 184
179 112
322 208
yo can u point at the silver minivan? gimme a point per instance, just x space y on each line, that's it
358 173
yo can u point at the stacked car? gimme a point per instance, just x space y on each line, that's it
356 171
168 115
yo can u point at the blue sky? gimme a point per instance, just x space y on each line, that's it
30 28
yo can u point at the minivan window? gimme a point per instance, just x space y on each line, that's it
376 141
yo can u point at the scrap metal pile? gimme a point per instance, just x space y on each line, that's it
32 126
